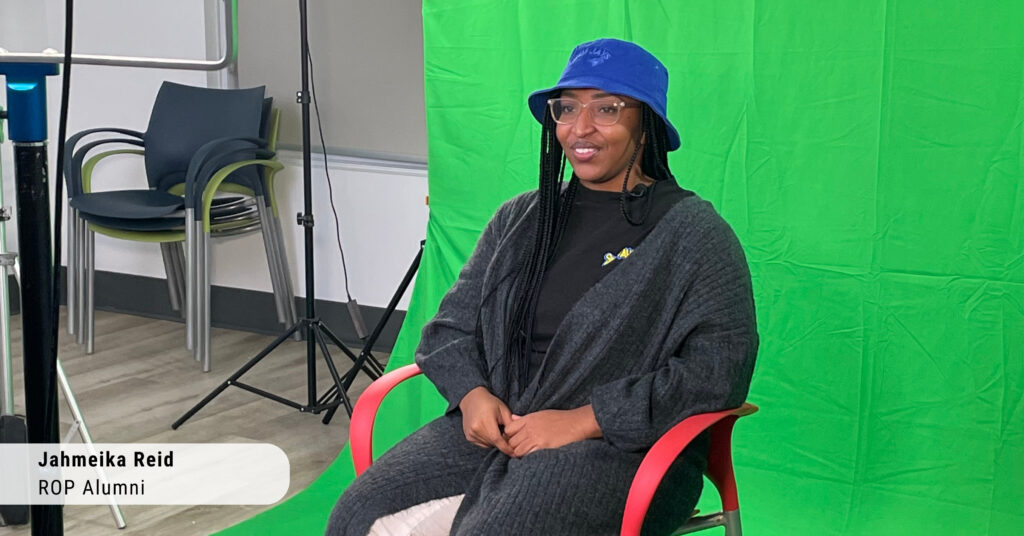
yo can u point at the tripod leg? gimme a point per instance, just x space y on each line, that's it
360 363
346 384
6 366
366 356
13 429
83 431
348 407
341 395
367 353
369 364
234 377
346 401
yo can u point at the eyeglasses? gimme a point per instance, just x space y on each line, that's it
604 112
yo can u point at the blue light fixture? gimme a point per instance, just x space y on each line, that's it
26 99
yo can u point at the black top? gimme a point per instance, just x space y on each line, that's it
598 238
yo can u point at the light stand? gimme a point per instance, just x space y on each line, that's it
367 354
26 101
316 332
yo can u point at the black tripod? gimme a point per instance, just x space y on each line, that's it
366 356
316 332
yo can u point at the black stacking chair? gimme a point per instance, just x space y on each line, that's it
210 164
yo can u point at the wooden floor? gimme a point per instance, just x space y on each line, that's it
141 379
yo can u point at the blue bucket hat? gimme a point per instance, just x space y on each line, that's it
618 67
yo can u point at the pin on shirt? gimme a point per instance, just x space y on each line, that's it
622 254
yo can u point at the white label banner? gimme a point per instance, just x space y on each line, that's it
143 473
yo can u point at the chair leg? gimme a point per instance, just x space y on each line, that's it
200 294
283 276
178 256
190 280
80 276
72 280
288 297
204 302
272 261
286 275
90 289
732 523
172 280
197 291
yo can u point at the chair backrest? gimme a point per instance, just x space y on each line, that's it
268 131
265 115
184 118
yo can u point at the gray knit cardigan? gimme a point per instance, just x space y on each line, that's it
669 333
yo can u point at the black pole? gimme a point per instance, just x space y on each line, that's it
307 217
314 329
35 250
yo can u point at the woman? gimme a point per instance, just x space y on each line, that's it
589 320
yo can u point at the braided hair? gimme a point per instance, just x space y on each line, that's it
654 163
554 206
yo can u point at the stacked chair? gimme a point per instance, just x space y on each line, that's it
210 164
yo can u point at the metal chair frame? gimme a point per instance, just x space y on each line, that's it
650 473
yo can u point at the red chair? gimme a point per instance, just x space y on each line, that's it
652 469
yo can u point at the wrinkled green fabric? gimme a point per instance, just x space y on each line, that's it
869 154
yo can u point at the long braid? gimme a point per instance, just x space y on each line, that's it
653 163
625 183
568 198
655 160
553 209
552 213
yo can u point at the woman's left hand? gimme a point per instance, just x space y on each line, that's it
550 429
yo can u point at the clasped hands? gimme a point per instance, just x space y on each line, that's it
487 422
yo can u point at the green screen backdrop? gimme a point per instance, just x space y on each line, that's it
869 154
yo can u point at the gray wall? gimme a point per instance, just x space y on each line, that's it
368 67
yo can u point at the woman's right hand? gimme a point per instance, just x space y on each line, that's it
482 414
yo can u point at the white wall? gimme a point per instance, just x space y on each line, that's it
382 210
368 58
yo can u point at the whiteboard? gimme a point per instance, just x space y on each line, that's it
368 72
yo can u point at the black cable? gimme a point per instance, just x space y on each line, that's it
327 172
62 132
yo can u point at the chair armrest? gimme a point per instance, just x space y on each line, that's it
205 201
663 453
80 177
210 171
71 142
213 153
360 432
